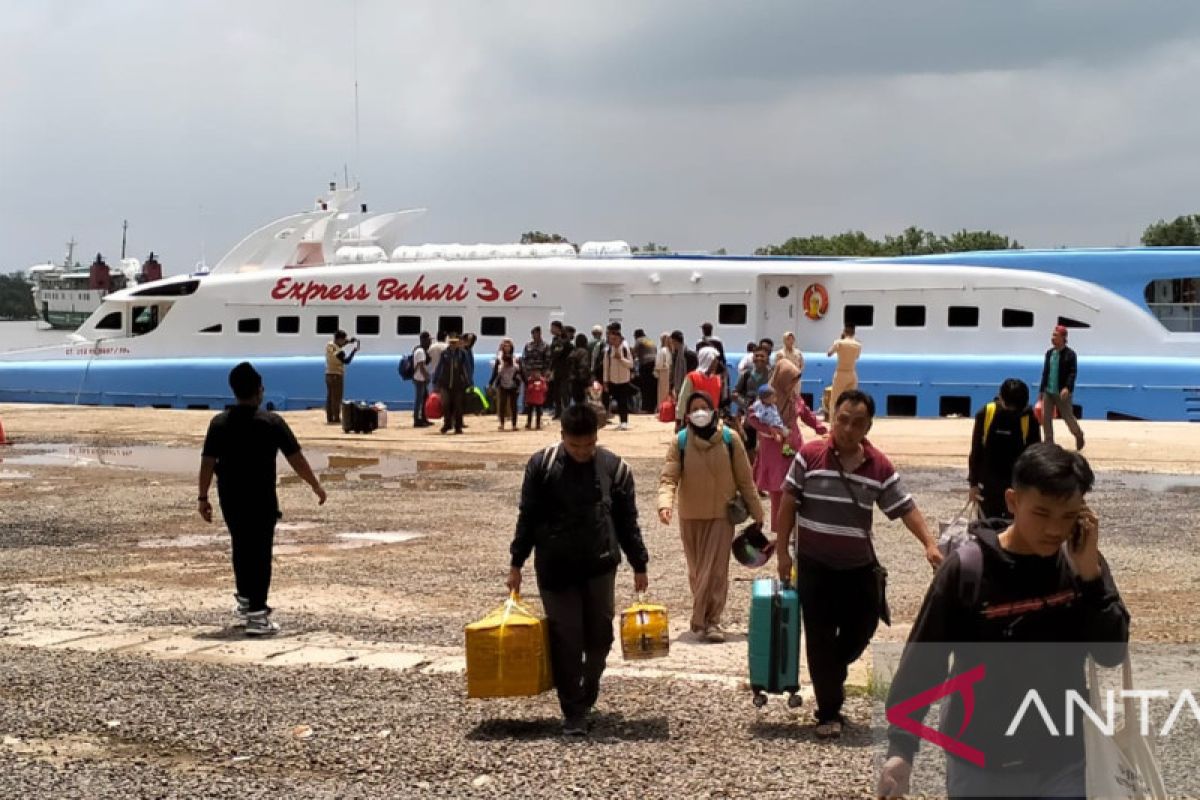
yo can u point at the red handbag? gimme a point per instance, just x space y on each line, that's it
535 392
433 406
666 411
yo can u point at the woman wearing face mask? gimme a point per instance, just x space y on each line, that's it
774 457
708 377
706 467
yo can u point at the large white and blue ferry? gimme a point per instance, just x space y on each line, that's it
939 333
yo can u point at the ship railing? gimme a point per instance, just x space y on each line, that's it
1178 317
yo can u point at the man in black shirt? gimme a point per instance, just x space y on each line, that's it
578 512
240 448
1003 429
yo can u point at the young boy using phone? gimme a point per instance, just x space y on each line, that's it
1041 580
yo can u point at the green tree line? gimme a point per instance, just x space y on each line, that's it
16 300
912 241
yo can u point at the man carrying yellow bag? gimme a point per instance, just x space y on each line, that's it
578 513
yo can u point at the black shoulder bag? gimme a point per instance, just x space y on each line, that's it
881 573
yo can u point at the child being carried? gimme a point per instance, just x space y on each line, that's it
766 412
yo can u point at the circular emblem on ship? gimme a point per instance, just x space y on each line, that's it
816 301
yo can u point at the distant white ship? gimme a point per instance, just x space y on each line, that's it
66 294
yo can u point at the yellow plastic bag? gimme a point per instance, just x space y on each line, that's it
645 632
508 654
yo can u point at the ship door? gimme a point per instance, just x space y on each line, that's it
779 303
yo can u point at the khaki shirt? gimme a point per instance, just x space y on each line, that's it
333 366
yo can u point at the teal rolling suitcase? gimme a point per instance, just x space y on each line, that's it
774 641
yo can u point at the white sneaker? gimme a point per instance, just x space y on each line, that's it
259 624
624 426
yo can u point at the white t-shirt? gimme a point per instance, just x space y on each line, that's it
746 363
420 373
435 355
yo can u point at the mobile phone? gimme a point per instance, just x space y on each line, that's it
1077 534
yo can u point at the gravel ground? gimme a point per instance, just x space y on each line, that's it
84 725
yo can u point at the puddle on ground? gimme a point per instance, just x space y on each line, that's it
1153 482
186 540
332 467
342 541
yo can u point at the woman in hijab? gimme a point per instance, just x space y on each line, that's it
774 458
662 367
707 377
706 467
790 353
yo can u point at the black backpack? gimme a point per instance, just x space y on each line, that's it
578 541
408 367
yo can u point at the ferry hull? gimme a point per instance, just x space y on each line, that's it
923 386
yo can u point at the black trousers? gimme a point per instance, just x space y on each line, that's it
621 392
506 404
579 391
648 384
992 505
420 392
561 388
840 610
453 401
252 536
579 621
334 389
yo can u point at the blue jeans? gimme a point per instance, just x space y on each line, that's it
420 393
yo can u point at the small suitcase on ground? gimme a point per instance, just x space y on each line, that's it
645 631
774 641
508 654
359 417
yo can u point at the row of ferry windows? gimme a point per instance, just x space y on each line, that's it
956 317
863 316
368 325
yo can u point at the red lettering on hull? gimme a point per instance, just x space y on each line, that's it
392 290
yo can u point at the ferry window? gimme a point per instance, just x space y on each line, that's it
731 314
783 292
493 326
963 317
408 326
367 326
1016 318
1067 322
212 329
252 325
327 325
954 406
145 319
450 324
910 316
287 324
111 322
901 405
859 316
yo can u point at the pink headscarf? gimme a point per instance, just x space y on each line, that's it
783 381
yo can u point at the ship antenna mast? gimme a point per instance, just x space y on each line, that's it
357 144
124 230
70 258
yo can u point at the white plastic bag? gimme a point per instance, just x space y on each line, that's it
953 534
1121 765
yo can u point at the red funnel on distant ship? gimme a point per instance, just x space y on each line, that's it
98 276
151 270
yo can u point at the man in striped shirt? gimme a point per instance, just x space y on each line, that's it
828 498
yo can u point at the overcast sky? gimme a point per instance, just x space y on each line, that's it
686 122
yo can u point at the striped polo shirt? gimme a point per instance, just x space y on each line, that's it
833 529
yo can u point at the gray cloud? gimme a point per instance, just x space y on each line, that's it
696 124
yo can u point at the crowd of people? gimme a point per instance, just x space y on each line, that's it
1032 571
